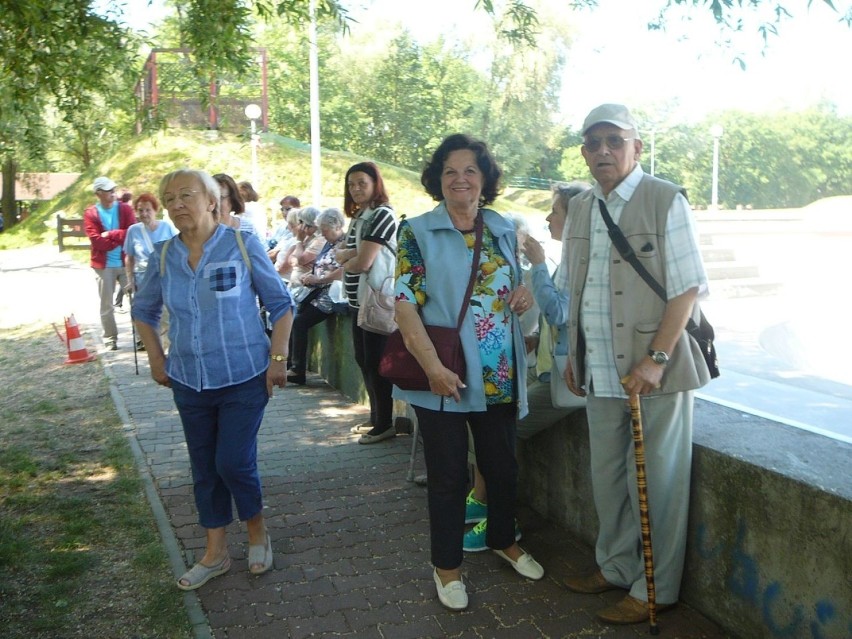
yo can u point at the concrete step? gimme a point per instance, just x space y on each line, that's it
744 287
719 254
731 270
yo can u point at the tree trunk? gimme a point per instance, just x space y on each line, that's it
9 203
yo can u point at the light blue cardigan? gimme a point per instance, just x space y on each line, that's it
447 261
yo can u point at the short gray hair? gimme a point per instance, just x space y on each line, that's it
293 216
331 217
208 184
565 191
308 215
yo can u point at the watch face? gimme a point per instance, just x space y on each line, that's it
659 357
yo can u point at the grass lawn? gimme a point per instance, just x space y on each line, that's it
79 552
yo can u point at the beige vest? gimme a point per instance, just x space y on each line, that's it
636 309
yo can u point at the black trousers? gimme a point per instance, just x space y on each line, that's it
369 347
307 317
445 449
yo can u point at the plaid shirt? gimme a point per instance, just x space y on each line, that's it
684 270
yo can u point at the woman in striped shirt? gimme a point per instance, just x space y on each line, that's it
373 227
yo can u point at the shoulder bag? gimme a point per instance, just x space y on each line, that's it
376 311
702 332
401 367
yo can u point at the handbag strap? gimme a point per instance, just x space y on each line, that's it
626 251
474 268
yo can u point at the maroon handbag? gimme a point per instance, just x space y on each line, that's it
401 367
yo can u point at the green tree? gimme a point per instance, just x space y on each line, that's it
55 53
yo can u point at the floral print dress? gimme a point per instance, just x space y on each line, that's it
492 316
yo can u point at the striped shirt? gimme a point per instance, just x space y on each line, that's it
376 226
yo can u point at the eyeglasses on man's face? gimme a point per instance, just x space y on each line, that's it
613 142
184 197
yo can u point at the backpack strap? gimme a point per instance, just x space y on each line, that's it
242 246
163 257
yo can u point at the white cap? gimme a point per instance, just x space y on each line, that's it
103 184
615 114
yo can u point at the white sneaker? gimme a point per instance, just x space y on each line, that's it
453 595
526 566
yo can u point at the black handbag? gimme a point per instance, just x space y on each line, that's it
401 367
702 332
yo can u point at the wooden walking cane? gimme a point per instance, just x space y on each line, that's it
644 517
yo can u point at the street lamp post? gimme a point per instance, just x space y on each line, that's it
253 112
716 132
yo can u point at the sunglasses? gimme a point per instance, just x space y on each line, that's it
614 142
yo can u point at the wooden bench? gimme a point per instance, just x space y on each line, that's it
71 228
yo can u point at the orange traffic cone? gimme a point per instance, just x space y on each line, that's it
77 352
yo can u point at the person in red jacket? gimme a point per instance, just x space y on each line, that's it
106 224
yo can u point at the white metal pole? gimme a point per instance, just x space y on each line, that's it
716 132
254 141
316 172
653 151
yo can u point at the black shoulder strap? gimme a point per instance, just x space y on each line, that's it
626 251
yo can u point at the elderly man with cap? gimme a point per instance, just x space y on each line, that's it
626 340
106 223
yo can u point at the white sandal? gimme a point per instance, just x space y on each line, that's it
260 554
200 574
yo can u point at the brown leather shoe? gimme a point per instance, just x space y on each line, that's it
589 584
629 610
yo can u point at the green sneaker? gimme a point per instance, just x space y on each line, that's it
474 539
474 511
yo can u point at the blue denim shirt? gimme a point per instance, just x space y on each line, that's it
553 304
217 336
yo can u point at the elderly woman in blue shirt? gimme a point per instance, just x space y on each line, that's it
433 267
221 365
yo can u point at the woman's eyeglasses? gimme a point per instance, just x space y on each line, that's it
614 142
183 196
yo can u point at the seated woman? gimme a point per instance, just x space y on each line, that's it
285 247
318 305
283 230
308 245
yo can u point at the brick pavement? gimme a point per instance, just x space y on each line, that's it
351 535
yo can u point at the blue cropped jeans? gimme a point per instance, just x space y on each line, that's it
220 426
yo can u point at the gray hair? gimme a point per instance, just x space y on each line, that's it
308 215
209 186
331 217
564 192
293 216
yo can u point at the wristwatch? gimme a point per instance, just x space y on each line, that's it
659 357
278 358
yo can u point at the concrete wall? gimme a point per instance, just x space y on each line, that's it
770 537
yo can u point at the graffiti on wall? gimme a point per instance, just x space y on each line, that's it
820 619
